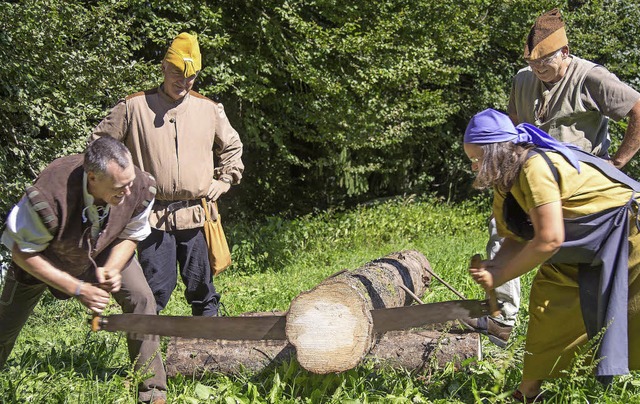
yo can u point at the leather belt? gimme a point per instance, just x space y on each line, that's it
172 206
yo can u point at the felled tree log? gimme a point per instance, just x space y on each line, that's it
331 326
413 350
333 322
419 348
194 356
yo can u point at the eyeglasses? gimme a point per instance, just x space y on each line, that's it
546 61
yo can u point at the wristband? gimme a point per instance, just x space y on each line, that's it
78 288
226 179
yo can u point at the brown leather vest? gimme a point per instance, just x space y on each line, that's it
57 197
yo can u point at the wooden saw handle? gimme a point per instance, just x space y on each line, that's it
494 309
96 322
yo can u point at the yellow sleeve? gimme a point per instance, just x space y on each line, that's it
536 185
501 225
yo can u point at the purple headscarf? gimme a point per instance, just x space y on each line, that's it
491 126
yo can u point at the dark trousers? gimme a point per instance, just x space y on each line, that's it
158 255
18 301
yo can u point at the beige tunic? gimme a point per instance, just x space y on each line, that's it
176 141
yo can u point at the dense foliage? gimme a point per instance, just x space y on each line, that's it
336 101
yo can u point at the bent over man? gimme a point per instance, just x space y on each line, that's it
175 133
75 232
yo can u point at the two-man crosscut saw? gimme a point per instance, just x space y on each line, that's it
273 326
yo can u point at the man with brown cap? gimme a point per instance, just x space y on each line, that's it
174 133
572 99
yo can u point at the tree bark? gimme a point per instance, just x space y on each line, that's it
414 350
331 326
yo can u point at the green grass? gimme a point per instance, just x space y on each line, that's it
58 360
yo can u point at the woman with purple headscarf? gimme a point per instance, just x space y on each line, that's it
575 216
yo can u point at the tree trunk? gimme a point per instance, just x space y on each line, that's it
331 326
417 349
414 350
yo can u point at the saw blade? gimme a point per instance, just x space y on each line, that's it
272 327
402 318
228 328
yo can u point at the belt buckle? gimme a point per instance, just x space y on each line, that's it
172 207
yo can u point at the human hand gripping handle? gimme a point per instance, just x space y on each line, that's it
485 279
109 279
92 297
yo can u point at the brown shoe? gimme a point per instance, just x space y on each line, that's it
497 333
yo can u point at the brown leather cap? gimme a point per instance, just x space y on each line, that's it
547 35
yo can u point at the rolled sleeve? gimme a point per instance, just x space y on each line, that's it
25 229
138 227
609 95
228 147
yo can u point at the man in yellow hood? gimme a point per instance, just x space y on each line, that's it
174 133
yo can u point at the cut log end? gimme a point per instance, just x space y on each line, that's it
331 326
333 333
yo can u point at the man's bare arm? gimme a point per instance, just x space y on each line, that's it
631 142
109 274
40 267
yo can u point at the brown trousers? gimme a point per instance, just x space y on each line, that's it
18 301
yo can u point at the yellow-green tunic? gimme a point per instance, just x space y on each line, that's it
556 329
